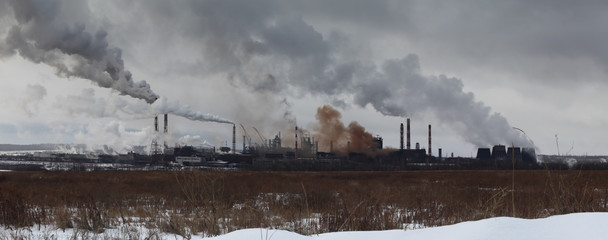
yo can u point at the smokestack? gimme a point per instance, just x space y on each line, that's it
244 139
233 138
430 151
296 154
156 123
401 137
408 134
166 130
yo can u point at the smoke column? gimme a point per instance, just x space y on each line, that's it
330 130
267 50
272 52
41 35
164 106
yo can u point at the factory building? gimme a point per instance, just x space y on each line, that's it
503 156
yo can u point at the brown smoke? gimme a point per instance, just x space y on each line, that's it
330 129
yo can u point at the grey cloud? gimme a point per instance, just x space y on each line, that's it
272 48
298 48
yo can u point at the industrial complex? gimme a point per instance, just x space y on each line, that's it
273 154
302 153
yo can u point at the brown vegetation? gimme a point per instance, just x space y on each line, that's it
186 203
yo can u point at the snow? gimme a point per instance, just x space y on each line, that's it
570 226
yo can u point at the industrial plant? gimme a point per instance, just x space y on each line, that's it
302 153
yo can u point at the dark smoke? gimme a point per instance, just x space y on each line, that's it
330 130
41 36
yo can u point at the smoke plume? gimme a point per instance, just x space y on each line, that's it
176 108
331 131
88 104
263 47
270 52
41 35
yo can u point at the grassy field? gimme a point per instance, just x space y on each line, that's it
305 202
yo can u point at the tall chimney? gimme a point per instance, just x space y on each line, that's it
296 153
156 123
233 138
166 130
401 137
166 123
244 139
430 151
408 134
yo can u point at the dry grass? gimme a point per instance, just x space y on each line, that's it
213 203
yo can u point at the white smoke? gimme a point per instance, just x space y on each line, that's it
33 95
271 53
258 46
165 106
88 104
113 137
41 36
195 140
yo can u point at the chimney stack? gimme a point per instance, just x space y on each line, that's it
296 153
408 134
430 151
166 130
166 123
233 139
401 137
156 123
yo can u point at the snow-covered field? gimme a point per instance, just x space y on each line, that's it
570 226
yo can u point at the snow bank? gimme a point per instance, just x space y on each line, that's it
570 226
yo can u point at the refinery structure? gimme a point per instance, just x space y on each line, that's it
303 152
298 149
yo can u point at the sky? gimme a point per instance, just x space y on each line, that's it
97 71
